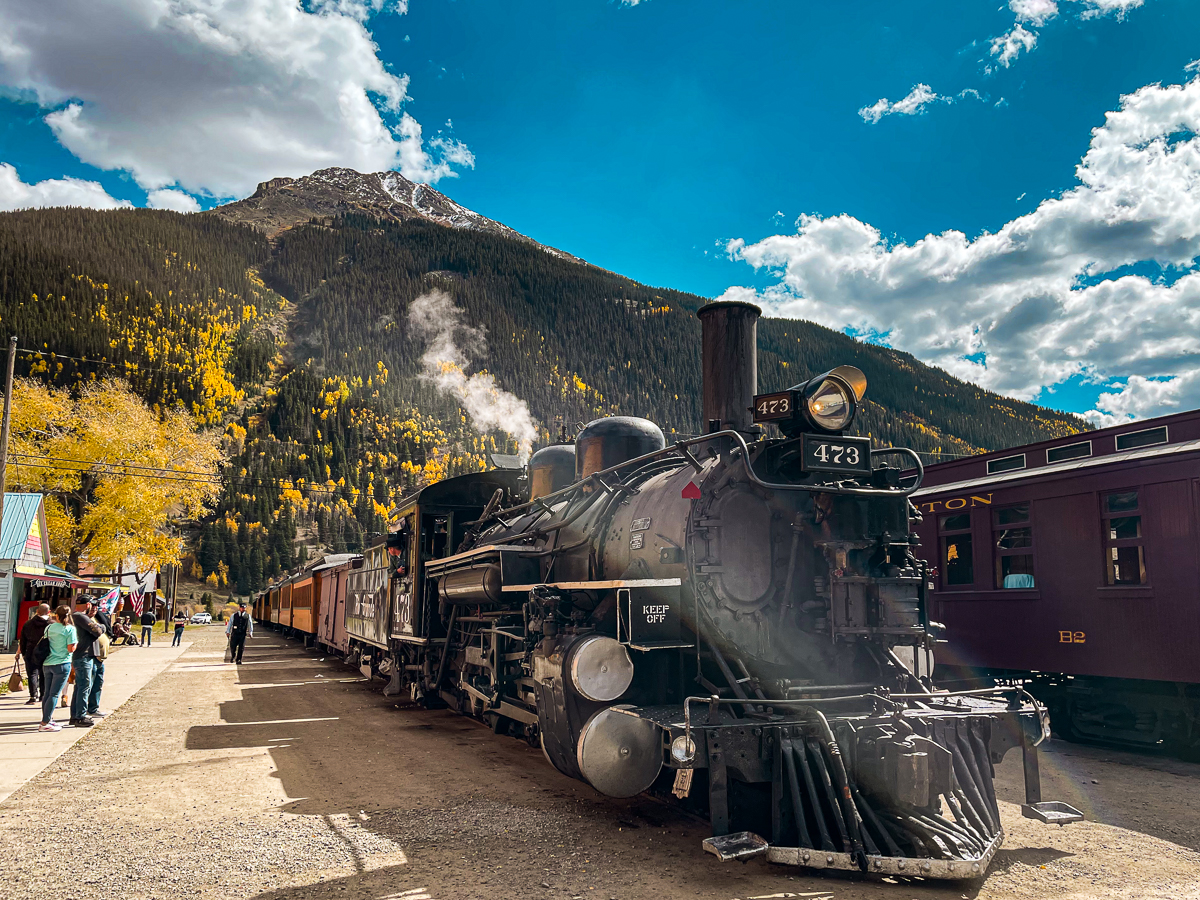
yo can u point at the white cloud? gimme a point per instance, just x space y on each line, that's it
911 104
1120 8
213 96
169 198
16 194
1034 12
1162 396
1008 47
1047 296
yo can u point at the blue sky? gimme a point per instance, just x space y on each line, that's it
648 137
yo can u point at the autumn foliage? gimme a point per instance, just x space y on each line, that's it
115 473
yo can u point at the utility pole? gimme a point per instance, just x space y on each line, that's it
12 361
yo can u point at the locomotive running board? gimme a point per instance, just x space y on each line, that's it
746 844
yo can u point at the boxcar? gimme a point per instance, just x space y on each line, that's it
302 604
285 605
330 577
1074 565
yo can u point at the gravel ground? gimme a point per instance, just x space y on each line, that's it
292 778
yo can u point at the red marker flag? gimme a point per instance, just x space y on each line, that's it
691 491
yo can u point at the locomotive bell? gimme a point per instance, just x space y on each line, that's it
608 442
551 469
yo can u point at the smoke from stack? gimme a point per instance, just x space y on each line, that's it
450 345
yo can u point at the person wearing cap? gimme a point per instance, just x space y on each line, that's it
83 663
236 629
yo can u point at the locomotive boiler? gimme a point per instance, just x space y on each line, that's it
736 620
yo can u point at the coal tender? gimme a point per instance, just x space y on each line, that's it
735 620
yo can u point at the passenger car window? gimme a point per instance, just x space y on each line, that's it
1124 555
1012 537
958 566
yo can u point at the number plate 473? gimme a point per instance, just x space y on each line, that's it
837 454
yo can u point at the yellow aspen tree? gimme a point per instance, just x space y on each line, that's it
115 473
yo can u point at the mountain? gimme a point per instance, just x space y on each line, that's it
287 319
284 203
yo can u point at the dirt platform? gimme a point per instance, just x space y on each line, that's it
290 777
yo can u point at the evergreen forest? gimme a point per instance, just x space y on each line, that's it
300 350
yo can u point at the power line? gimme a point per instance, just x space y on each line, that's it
100 362
234 480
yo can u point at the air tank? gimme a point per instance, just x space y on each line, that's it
551 469
607 442
474 585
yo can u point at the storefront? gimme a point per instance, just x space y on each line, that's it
24 558
55 587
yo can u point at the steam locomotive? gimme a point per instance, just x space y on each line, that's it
722 619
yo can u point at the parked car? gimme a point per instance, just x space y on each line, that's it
201 619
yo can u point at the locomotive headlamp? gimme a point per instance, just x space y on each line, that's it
826 403
832 399
830 404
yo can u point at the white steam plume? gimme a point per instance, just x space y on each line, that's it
450 342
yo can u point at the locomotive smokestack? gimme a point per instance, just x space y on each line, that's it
730 365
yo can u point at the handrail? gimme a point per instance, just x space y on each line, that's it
680 447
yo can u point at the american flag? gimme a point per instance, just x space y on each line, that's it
135 598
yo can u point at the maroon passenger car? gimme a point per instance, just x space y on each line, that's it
1074 564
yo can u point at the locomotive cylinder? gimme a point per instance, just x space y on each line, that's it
730 365
600 668
477 584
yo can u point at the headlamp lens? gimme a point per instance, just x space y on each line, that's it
830 405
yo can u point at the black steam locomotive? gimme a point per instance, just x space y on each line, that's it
722 619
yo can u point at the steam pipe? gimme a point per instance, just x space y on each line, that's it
680 448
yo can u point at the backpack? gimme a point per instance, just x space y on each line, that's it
100 647
41 652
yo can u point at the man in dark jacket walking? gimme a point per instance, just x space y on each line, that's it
31 633
240 624
148 621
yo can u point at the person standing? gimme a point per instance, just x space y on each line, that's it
31 633
180 621
236 629
87 629
148 621
93 704
63 639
